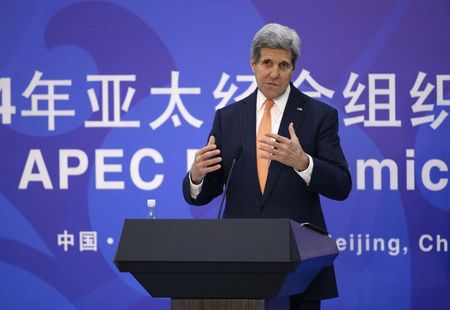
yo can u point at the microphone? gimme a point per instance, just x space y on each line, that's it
235 157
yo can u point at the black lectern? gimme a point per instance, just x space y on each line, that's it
237 259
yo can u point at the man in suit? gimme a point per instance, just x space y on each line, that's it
286 150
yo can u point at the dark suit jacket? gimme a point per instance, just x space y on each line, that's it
286 194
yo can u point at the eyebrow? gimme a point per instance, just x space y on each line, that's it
281 62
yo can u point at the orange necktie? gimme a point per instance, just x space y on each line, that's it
264 127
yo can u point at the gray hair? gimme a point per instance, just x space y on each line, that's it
276 36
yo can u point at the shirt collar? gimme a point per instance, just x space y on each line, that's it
280 101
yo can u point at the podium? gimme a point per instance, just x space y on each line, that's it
234 263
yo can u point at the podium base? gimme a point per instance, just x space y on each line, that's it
217 304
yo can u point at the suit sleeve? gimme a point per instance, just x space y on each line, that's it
331 176
213 182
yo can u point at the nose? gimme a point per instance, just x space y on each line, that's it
274 72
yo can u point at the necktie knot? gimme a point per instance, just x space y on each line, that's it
269 104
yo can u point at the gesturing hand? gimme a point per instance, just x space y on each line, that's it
284 150
205 161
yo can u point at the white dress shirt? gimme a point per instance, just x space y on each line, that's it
276 114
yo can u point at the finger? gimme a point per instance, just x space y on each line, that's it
211 169
269 157
277 137
209 154
212 161
265 148
292 132
272 154
210 146
265 156
206 149
273 145
269 142
201 159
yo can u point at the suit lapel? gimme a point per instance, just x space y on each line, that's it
293 113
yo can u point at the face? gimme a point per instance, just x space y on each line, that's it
273 71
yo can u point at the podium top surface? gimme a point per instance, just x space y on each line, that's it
222 240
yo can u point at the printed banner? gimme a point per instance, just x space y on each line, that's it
104 103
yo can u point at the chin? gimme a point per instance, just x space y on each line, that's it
271 94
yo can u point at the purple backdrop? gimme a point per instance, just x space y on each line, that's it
102 104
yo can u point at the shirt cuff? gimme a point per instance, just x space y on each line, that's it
195 189
306 174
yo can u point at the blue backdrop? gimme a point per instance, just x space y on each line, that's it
103 103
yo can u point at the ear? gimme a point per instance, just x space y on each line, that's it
252 64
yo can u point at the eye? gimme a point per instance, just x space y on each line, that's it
267 63
284 66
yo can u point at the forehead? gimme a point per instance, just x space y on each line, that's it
277 54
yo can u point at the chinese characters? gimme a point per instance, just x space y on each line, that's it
371 105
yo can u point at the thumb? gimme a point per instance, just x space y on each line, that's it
292 132
211 140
